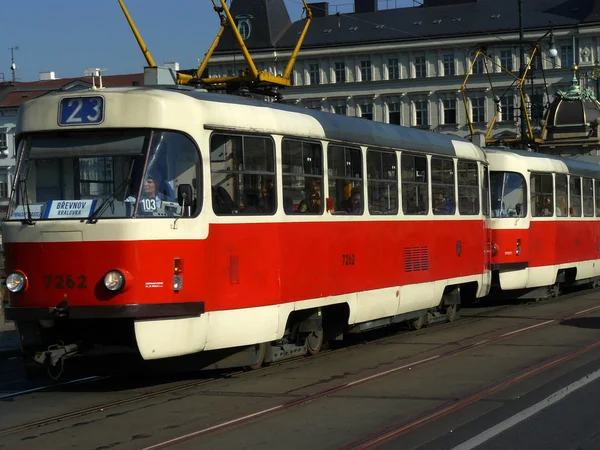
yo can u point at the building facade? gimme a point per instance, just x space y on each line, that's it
405 66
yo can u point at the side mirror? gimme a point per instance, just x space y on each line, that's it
185 194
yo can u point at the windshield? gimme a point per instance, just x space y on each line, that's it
120 174
508 194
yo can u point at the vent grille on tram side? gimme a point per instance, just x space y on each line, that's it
416 259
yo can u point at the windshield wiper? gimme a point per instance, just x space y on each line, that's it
23 187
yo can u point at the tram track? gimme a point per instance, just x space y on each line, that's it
459 322
383 436
286 406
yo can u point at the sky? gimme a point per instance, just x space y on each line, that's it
69 36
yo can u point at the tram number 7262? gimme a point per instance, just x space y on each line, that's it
65 282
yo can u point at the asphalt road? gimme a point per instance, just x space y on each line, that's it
350 397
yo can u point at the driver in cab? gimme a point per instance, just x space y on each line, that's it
152 199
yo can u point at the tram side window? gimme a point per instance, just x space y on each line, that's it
588 197
575 196
485 190
541 195
415 198
468 188
597 186
561 195
508 192
345 179
442 186
242 174
302 177
382 182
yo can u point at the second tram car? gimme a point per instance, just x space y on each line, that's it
173 222
545 224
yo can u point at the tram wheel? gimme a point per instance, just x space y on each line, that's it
261 350
418 323
451 312
314 342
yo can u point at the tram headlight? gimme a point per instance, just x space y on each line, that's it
494 250
16 282
518 248
114 280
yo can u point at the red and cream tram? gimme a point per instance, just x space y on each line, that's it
174 222
545 224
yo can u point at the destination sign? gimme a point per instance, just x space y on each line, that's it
20 212
70 209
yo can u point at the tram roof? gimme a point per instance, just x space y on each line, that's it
172 107
542 162
346 129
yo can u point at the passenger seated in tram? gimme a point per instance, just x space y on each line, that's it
443 205
354 205
267 199
547 208
312 201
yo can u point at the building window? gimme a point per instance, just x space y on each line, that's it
477 109
365 70
366 111
536 107
3 141
314 74
3 189
96 176
421 113
420 67
448 65
393 69
340 72
394 113
341 110
507 108
449 111
506 60
566 56
478 66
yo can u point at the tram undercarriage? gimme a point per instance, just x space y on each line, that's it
108 346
